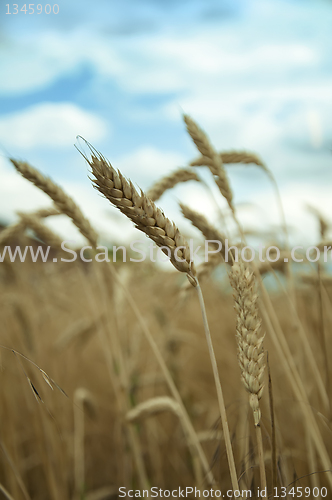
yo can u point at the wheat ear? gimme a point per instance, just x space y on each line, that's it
249 338
200 222
212 234
323 224
42 213
215 162
250 345
153 407
146 216
10 232
171 180
41 231
244 157
61 200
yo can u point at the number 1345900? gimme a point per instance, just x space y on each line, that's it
32 8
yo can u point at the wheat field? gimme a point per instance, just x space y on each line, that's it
118 375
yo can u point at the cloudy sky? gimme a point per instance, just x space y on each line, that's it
255 75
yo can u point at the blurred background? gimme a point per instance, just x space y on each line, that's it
255 75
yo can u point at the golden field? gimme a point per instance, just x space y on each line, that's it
116 388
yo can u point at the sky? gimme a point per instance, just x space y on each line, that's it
255 75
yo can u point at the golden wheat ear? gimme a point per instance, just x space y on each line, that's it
248 334
168 182
214 160
41 231
244 157
251 354
324 225
141 210
64 203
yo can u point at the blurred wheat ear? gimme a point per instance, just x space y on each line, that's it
215 163
171 180
62 201
250 346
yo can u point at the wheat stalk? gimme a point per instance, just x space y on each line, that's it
220 396
61 200
204 270
82 399
215 162
171 180
6 493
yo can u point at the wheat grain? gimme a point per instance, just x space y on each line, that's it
215 162
61 200
171 180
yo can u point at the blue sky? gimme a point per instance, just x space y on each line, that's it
254 74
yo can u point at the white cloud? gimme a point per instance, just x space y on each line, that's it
276 125
34 60
51 125
207 58
154 62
